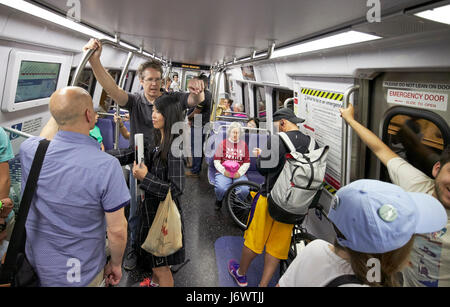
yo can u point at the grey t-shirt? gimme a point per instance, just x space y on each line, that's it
141 114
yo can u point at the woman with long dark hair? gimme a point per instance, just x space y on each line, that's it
162 171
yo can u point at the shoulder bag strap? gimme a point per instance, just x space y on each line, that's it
18 236
287 141
344 280
312 144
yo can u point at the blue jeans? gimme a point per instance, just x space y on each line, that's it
197 149
222 183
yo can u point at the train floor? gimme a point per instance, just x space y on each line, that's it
203 226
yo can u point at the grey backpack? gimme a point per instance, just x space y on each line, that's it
299 184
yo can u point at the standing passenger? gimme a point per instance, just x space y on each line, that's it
97 134
140 105
198 118
165 171
430 257
175 85
80 196
6 205
375 224
263 232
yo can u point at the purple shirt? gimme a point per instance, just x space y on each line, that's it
66 226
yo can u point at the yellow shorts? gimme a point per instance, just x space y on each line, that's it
265 231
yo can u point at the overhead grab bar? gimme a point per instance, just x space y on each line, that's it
345 163
252 59
216 93
217 129
87 54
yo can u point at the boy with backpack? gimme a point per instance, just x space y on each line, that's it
262 230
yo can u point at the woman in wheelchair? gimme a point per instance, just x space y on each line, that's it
231 161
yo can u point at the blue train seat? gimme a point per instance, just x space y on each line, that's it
107 130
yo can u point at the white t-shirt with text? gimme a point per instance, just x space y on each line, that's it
430 257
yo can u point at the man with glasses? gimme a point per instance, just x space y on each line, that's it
140 107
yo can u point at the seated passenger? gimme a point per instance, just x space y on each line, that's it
231 161
224 107
253 122
96 134
376 223
261 109
238 107
430 269
123 130
167 85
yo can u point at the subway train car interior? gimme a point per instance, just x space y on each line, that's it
361 84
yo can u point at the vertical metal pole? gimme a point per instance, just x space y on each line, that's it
345 155
76 76
217 91
121 84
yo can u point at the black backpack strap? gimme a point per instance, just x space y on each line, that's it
18 236
344 280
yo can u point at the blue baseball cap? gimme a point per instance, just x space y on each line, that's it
378 217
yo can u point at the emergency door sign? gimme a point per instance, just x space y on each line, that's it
424 100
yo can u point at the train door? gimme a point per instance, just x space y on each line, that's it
317 100
409 112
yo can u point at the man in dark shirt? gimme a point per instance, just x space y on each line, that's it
198 117
140 106
262 231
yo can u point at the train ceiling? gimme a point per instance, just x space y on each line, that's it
204 31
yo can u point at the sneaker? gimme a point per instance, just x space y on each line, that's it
130 261
148 283
233 267
191 174
218 205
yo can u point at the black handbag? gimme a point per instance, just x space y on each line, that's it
17 271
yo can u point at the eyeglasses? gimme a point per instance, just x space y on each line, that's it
150 80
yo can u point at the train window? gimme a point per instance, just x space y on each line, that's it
106 101
418 136
87 80
259 101
279 97
129 81
244 99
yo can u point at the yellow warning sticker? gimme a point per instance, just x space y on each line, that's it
323 94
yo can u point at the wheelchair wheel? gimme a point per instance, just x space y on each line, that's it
239 199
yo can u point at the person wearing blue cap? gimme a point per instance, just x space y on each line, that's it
376 223
430 256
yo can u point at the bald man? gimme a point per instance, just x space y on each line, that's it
80 198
